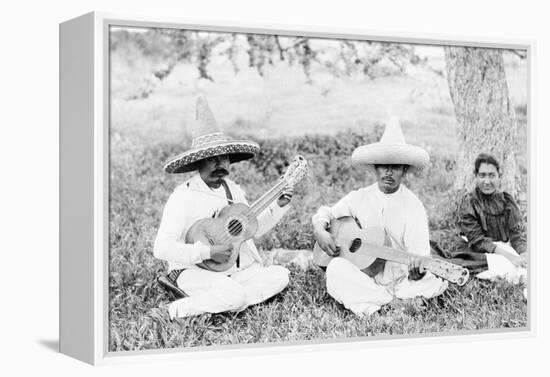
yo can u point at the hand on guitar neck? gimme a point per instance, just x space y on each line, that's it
417 270
286 196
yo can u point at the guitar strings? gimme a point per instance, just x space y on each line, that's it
261 204
250 214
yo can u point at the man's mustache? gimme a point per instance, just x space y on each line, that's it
220 171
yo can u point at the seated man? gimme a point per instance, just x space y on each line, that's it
391 205
491 223
203 196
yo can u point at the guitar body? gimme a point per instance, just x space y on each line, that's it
238 222
363 246
352 242
230 227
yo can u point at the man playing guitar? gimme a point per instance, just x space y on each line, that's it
243 283
389 205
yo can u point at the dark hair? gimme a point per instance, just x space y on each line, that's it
484 158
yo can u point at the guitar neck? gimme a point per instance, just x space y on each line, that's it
265 200
295 172
452 272
390 254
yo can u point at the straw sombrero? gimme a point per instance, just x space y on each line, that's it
391 149
208 141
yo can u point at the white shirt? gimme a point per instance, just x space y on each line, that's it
193 201
401 214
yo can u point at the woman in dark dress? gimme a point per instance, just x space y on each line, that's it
491 224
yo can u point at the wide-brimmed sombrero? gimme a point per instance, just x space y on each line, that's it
208 141
392 149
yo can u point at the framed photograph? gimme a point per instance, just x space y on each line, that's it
228 187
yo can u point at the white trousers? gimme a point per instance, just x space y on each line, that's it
500 267
213 292
360 293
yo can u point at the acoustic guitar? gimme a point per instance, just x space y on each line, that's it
363 246
237 222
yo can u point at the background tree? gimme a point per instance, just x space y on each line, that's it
173 47
486 119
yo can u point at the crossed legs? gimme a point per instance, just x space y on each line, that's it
213 292
362 295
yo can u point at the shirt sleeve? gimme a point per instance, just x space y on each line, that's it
170 244
270 217
518 239
344 207
417 234
470 227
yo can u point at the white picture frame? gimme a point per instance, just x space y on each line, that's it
84 186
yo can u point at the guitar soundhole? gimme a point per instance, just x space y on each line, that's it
235 227
355 245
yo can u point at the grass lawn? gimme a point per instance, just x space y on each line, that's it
305 312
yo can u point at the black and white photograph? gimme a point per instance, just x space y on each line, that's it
293 189
286 188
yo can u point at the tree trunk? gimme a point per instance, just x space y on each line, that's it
486 119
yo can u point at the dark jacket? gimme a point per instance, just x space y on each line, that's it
483 219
